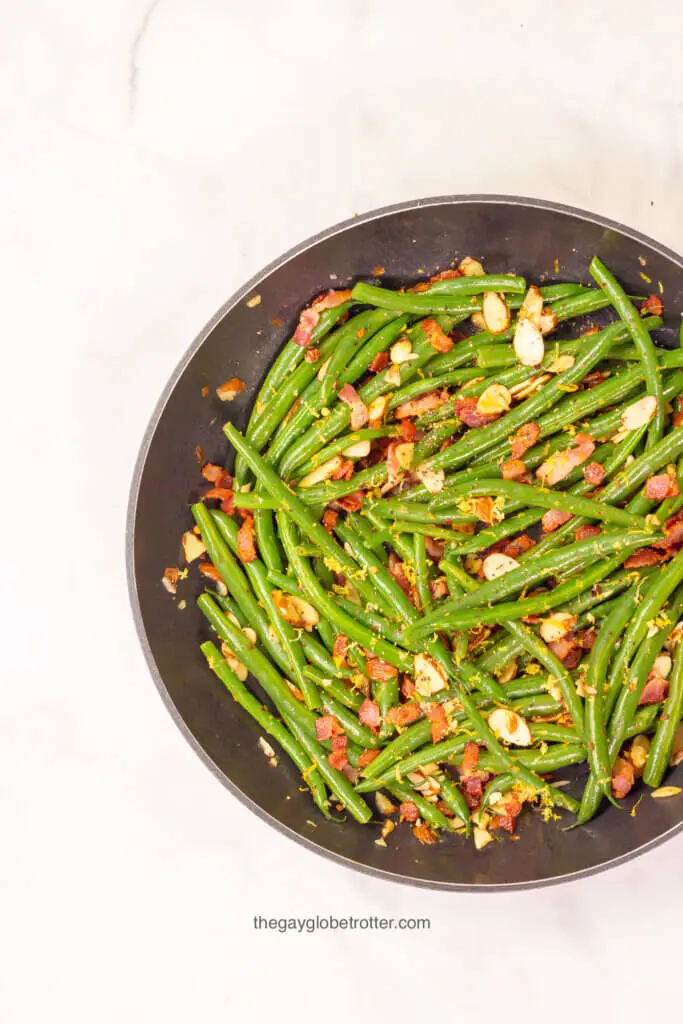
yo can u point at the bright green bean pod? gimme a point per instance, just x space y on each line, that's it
337 781
453 798
663 742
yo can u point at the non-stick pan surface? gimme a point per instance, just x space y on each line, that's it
521 235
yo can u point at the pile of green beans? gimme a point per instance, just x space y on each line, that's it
445 574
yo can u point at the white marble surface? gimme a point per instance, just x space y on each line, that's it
153 155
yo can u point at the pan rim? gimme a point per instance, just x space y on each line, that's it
133 498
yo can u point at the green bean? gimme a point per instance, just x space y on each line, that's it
413 737
242 696
453 798
671 505
266 540
375 540
498 784
437 753
230 607
456 298
340 446
428 812
337 782
345 695
356 732
642 340
549 732
422 575
391 631
662 745
560 755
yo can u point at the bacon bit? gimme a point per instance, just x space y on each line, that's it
231 389
338 742
209 570
586 638
438 588
553 519
421 405
518 546
226 496
329 519
408 688
524 438
172 574
394 472
470 759
338 759
584 532
623 778
352 502
434 550
296 692
294 408
594 473
380 361
276 321
409 812
199 454
308 320
504 821
424 834
216 475
359 410
567 650
655 690
662 486
403 714
677 418
473 790
653 305
352 774
445 275
246 548
368 714
340 649
436 337
379 670
367 757
513 469
378 271
561 463
344 470
673 532
467 409
312 355
437 716
205 391
327 726
407 430
644 558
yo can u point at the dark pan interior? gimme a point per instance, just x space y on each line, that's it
524 236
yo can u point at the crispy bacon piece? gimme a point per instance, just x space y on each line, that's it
409 812
379 670
518 546
368 714
338 759
567 649
591 380
445 275
421 405
437 716
216 475
504 821
560 464
380 361
246 537
553 519
438 588
407 430
644 557
407 687
351 502
395 566
209 570
340 648
352 774
525 437
513 469
366 757
472 787
404 714
310 316
437 338
226 496
623 778
584 532
199 454
338 742
434 549
424 834
586 638
344 471
329 519
312 355
593 473
467 410
470 758
655 690
327 726
673 532
653 305
359 410
661 486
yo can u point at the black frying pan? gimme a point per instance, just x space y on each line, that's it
520 235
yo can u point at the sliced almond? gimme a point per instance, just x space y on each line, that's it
496 399
662 665
508 672
528 343
482 837
357 451
376 410
404 454
296 611
169 585
497 564
511 727
393 375
384 804
495 313
323 370
478 321
470 267
665 791
231 389
562 363
402 352
266 747
429 676
639 413
193 546
530 387
556 626
532 306
235 664
250 634
638 751
432 479
677 747
548 321
322 472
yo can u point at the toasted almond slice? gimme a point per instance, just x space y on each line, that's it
638 751
393 375
511 727
562 363
226 392
495 312
376 410
639 413
482 837
548 321
662 665
384 804
494 400
266 747
478 322
168 585
508 672
429 677
556 626
322 472
323 370
404 454
532 306
432 479
402 351
470 267
193 546
254 301
677 747
250 635
528 343
357 451
498 564
296 611
235 664
665 791
531 386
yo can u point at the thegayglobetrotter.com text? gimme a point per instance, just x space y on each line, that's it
331 923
